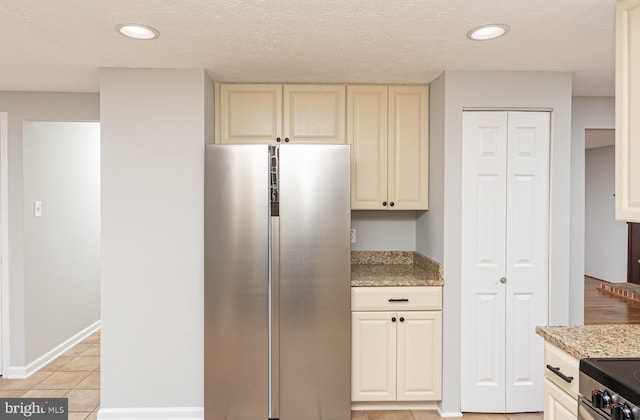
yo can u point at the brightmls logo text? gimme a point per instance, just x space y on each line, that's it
34 408
26 410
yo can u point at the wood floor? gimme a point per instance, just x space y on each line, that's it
603 308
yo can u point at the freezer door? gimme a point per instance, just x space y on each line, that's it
315 321
236 282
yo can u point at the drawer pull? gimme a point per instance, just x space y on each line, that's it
556 370
399 300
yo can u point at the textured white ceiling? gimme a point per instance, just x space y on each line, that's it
59 45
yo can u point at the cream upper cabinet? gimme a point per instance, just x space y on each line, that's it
249 113
268 113
367 135
408 150
314 113
388 130
627 111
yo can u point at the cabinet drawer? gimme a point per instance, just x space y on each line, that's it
396 298
567 365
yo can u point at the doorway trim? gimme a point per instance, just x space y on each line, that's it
633 252
4 242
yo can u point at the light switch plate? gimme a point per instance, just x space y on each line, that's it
37 208
353 236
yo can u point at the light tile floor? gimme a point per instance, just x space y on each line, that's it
75 375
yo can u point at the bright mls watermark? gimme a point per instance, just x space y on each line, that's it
34 408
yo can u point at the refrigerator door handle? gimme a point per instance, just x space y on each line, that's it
274 321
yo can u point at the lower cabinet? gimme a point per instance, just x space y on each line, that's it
396 354
561 375
373 361
558 405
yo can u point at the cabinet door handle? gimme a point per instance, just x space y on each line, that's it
401 319
399 300
278 140
393 319
384 203
286 139
556 370
392 204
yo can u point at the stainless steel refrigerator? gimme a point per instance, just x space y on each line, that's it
277 282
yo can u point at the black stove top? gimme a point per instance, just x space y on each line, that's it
620 375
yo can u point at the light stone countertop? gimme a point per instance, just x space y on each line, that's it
394 268
595 340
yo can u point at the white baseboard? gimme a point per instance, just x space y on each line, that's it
21 372
394 405
164 413
451 414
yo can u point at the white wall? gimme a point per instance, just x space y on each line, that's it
605 238
20 107
384 230
587 112
470 89
430 224
153 128
61 168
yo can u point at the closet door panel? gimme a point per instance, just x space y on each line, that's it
483 261
526 257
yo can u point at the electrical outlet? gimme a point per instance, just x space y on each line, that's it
353 236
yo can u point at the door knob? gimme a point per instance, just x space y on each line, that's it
503 280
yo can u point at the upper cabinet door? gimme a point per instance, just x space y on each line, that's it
367 135
408 148
627 110
314 113
250 113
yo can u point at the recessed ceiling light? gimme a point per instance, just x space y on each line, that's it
485 32
137 31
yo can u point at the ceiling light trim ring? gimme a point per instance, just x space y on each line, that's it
488 32
138 31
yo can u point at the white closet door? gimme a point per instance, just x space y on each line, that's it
505 220
527 257
483 261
